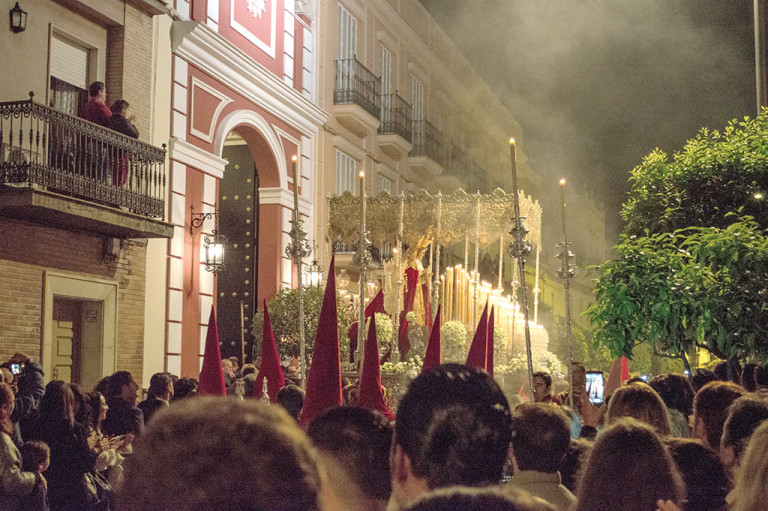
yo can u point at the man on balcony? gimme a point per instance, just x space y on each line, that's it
96 109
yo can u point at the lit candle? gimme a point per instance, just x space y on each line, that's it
562 203
296 179
362 194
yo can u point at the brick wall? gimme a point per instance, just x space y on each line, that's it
129 66
29 249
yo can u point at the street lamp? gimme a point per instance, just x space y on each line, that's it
313 274
18 19
213 250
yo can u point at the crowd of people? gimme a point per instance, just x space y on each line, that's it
673 443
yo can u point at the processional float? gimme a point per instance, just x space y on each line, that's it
404 229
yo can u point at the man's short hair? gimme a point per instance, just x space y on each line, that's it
119 106
761 376
480 499
454 425
358 440
116 382
221 453
544 376
701 377
95 88
541 434
710 405
184 387
158 384
248 369
291 397
744 416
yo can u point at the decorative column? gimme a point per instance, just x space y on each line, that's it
519 248
566 272
297 250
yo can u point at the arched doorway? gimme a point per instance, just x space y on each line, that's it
237 287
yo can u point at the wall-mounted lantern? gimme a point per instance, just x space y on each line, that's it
213 249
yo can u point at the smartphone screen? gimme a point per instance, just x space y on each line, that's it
16 368
595 386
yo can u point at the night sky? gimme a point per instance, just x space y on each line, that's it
598 84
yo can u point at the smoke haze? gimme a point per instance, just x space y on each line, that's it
598 84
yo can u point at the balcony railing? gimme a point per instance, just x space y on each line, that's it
395 116
427 141
357 85
43 147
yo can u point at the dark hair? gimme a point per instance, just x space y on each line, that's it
454 425
722 371
710 405
247 369
291 397
358 440
761 376
630 469
184 387
705 477
119 106
57 404
94 400
102 386
33 454
6 396
748 377
221 453
479 499
95 88
81 405
675 390
573 462
744 416
544 376
540 436
158 384
701 377
116 382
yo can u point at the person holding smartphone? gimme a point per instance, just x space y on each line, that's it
29 389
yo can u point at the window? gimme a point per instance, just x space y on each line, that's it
385 184
347 35
417 109
69 75
386 80
345 173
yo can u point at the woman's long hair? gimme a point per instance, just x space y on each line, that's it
629 469
641 402
57 404
6 396
751 487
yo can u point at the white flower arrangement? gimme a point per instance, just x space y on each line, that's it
404 366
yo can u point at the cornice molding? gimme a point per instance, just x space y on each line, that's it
192 156
203 47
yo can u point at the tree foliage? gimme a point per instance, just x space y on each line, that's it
701 286
715 174
284 314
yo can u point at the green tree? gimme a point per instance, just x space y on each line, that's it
701 286
284 313
715 174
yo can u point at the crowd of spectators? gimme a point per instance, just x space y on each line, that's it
674 443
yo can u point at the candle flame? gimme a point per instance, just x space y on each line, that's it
362 173
511 141
293 158
562 181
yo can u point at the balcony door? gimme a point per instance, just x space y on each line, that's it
417 108
69 65
386 85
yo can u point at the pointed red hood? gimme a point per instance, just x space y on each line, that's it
324 380
489 348
403 344
270 362
370 379
432 357
211 375
478 349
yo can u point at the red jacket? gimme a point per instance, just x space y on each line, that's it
96 111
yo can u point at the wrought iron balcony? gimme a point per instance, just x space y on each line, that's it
395 116
427 141
357 85
45 149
